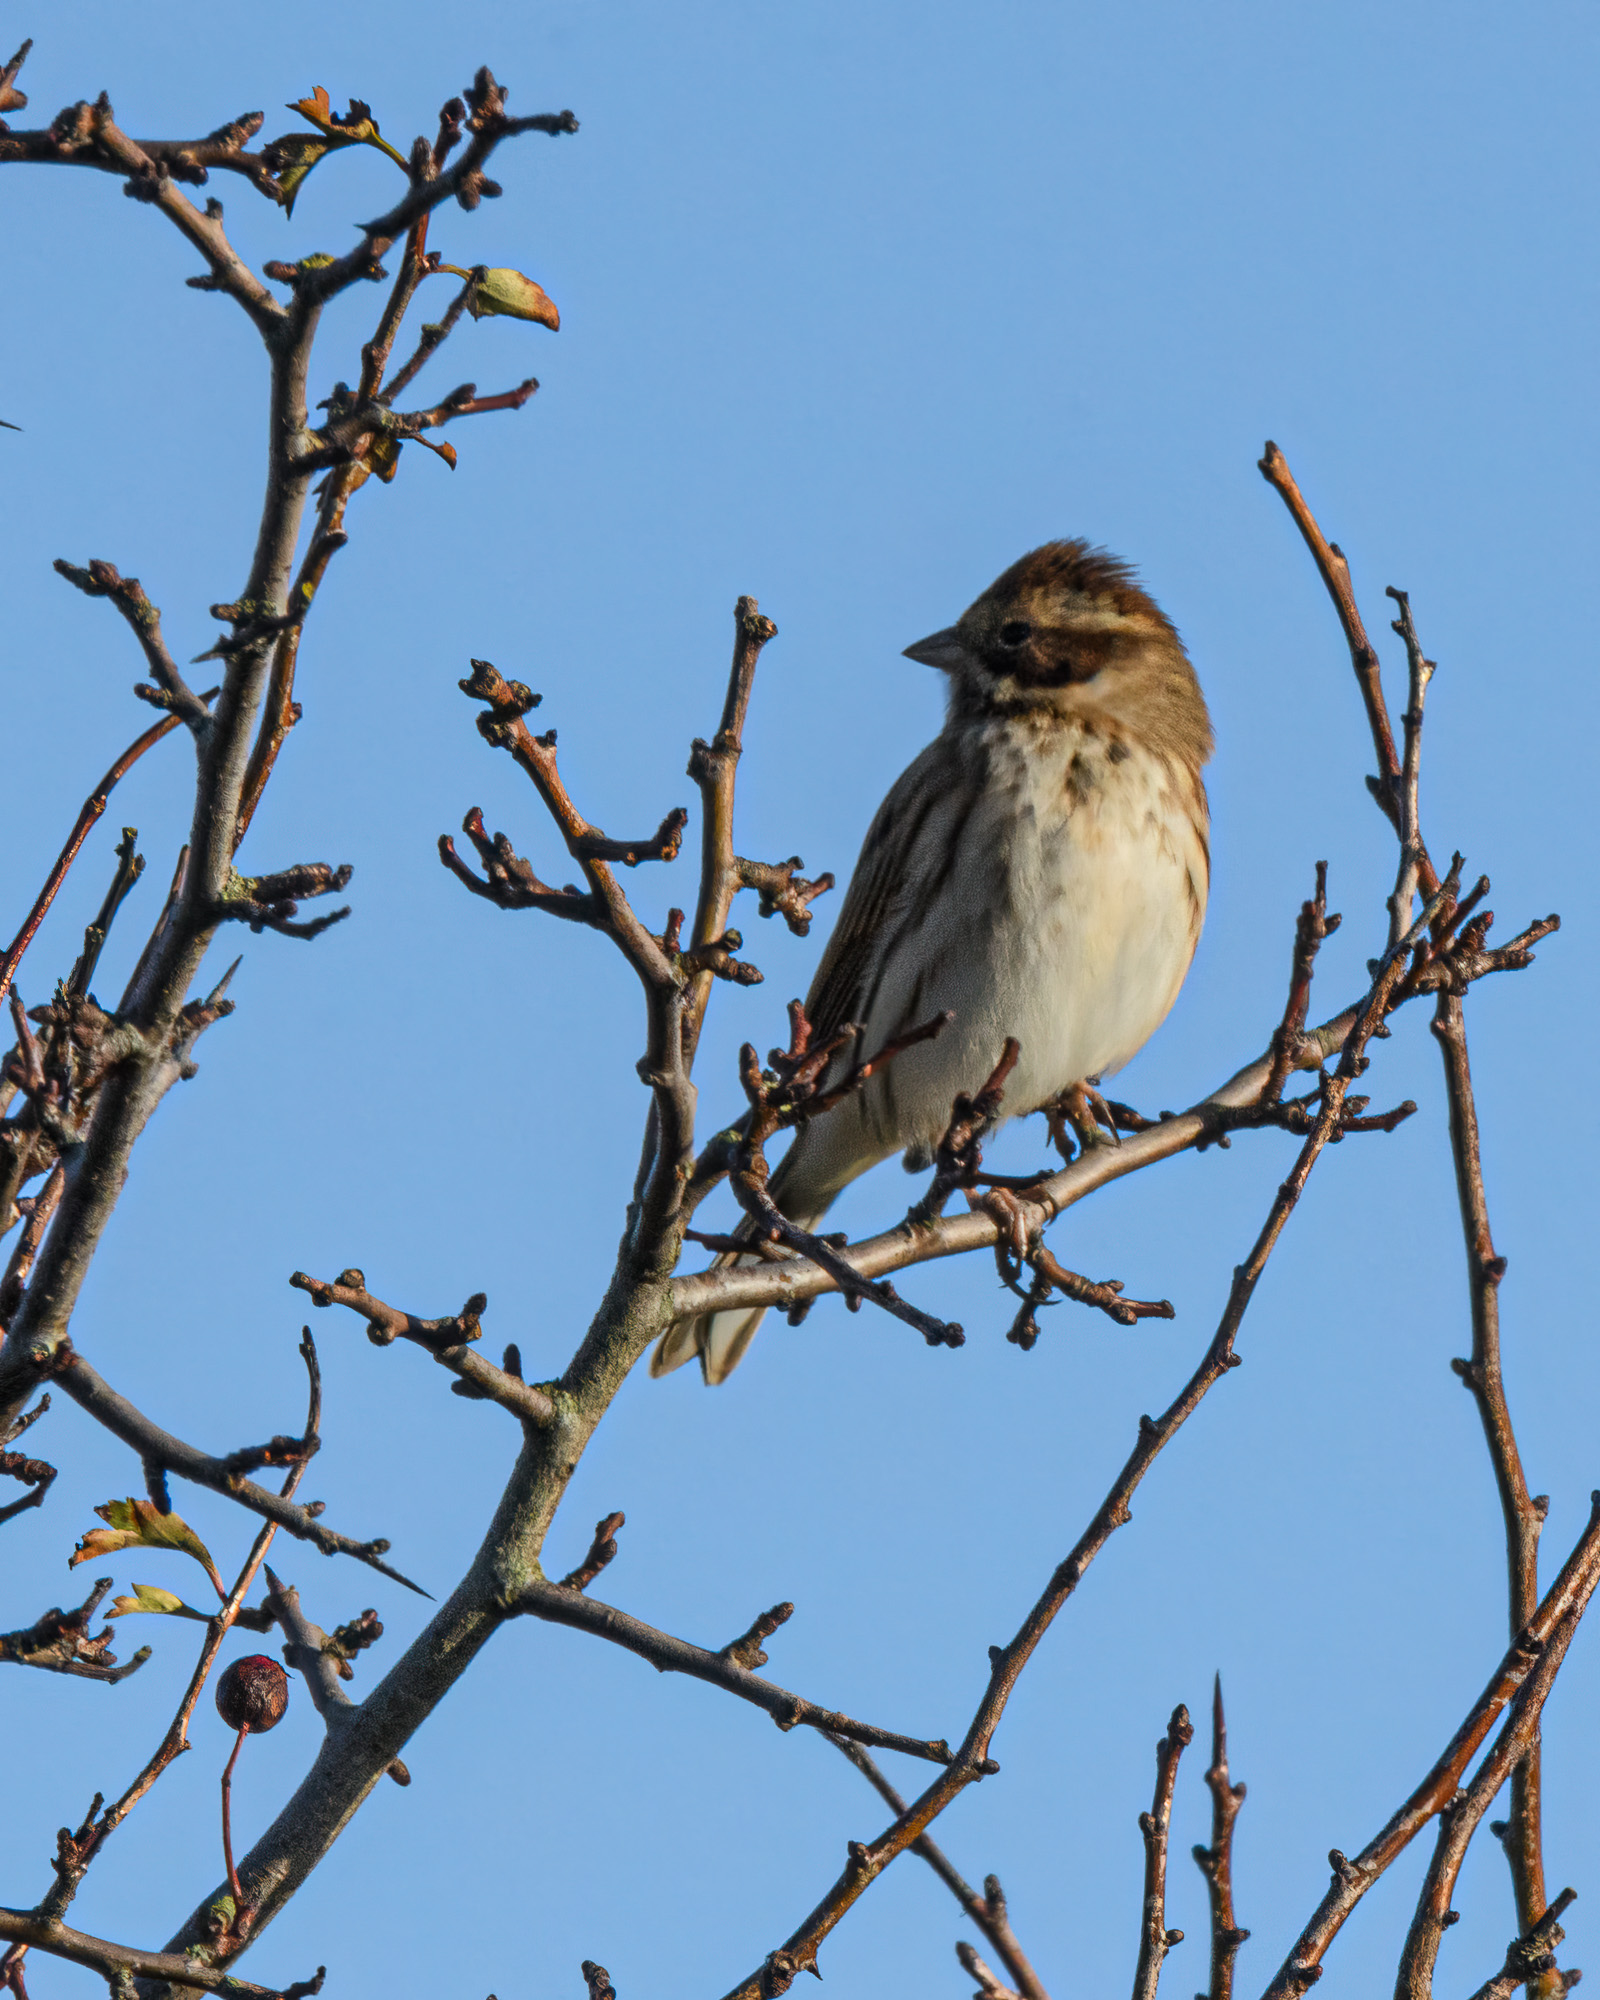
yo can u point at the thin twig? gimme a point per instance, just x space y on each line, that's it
172 691
972 1761
1563 1605
1155 1940
445 1339
155 1446
564 1604
987 1911
1216 1861
1532 1954
74 1856
1396 794
714 768
93 807
1460 1819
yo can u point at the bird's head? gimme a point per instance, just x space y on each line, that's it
1069 631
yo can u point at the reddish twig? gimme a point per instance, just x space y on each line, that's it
1563 1606
987 1911
93 807
1453 956
74 1857
602 1550
1216 1861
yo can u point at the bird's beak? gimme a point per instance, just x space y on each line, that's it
945 650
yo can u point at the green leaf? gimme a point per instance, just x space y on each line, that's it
292 157
147 1597
140 1524
510 294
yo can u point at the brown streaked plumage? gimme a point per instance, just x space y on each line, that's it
1041 869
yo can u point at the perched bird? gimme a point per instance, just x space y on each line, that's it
1040 870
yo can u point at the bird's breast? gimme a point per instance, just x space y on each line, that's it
1064 902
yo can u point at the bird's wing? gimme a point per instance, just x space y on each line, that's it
879 899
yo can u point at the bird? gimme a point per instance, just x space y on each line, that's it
1041 870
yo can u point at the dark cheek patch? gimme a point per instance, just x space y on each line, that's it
1052 659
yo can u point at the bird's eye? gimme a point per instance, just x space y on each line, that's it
1016 633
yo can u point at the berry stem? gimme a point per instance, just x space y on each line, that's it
227 1832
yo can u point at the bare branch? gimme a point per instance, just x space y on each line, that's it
181 1969
88 817
60 1643
1216 1861
563 1604
1561 1609
1453 956
1533 1954
35 1473
782 891
447 1340
990 1986
150 178
987 1911
159 1447
603 1550
1460 1818
1155 1940
12 99
714 767
1335 573
172 691
308 1652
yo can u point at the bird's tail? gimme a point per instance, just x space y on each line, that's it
720 1338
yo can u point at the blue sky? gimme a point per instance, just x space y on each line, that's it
858 303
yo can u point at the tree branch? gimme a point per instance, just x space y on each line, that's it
1396 793
445 1339
1216 1861
714 767
1562 1607
972 1760
987 1911
172 691
179 1969
1532 1954
1155 1940
1460 1818
158 1447
60 1643
88 818
562 1604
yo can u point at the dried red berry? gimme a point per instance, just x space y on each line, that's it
253 1694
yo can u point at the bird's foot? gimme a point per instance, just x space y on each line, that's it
1081 1114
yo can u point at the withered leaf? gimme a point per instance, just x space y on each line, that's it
507 292
141 1524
